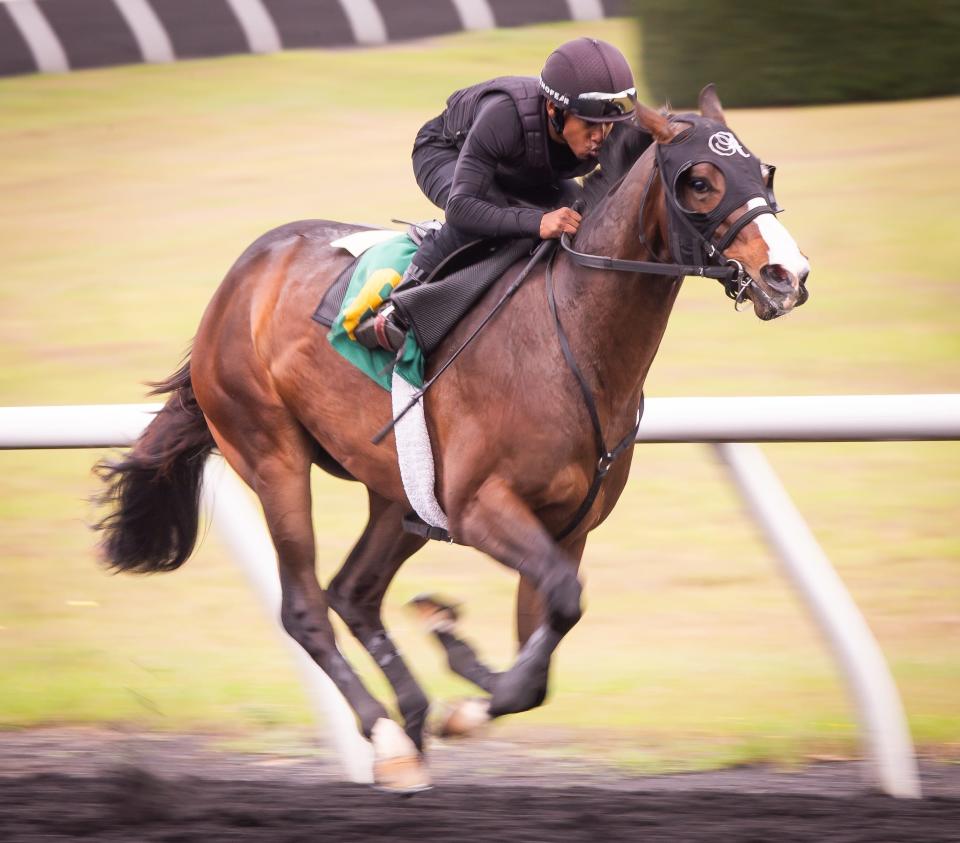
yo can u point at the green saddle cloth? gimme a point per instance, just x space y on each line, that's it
377 364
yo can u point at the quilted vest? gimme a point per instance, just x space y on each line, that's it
534 167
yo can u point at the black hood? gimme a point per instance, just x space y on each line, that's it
691 233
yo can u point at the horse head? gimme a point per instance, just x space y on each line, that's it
719 206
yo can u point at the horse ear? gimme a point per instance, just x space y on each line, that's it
655 123
710 104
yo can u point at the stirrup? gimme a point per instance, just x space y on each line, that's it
381 331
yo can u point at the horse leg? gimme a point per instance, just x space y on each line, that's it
500 524
440 620
530 608
467 716
356 595
278 471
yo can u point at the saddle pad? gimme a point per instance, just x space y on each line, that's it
360 241
394 253
356 244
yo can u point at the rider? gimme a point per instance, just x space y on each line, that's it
502 158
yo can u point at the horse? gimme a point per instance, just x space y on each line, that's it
514 439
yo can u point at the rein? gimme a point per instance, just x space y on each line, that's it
730 272
605 456
732 275
735 282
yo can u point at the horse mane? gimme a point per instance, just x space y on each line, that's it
626 143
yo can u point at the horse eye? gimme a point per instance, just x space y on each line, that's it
699 185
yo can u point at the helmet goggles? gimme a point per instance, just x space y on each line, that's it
599 107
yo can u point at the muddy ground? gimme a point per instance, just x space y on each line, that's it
77 784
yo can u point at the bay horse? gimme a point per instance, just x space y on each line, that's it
514 441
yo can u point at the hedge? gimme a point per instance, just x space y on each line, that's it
771 52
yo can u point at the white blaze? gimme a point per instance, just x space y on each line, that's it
781 247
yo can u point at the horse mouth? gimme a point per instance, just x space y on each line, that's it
770 314
767 309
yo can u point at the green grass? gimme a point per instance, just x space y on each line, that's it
125 194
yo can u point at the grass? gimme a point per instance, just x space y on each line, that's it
126 193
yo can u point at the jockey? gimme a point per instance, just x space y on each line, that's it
502 158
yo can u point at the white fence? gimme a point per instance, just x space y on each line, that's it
726 422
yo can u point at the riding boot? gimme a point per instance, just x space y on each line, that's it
386 328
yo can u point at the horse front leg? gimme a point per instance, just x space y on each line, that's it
439 618
530 608
500 524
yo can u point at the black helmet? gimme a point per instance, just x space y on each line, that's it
592 79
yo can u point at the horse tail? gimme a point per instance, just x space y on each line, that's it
154 490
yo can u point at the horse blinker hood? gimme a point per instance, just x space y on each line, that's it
708 141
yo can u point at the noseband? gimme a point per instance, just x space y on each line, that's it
691 234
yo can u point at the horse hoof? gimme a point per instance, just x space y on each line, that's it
465 717
397 766
434 614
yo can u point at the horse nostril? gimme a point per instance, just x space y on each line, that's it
777 277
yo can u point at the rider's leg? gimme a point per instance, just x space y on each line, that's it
434 162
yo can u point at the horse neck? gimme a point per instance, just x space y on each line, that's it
616 320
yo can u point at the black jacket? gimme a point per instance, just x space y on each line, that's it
500 130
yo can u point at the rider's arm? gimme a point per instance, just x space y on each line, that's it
496 135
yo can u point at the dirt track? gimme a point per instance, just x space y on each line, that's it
96 785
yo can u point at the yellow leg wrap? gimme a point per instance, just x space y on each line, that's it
379 285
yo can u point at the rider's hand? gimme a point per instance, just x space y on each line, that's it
560 221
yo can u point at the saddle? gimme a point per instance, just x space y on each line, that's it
431 309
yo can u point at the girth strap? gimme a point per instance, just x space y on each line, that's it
413 523
605 458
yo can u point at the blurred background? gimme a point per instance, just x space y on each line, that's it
127 191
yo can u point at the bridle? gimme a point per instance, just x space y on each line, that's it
691 234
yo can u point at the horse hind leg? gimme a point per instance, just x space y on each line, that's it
466 716
439 619
356 595
397 765
282 483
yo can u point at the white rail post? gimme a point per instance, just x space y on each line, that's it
883 725
241 528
